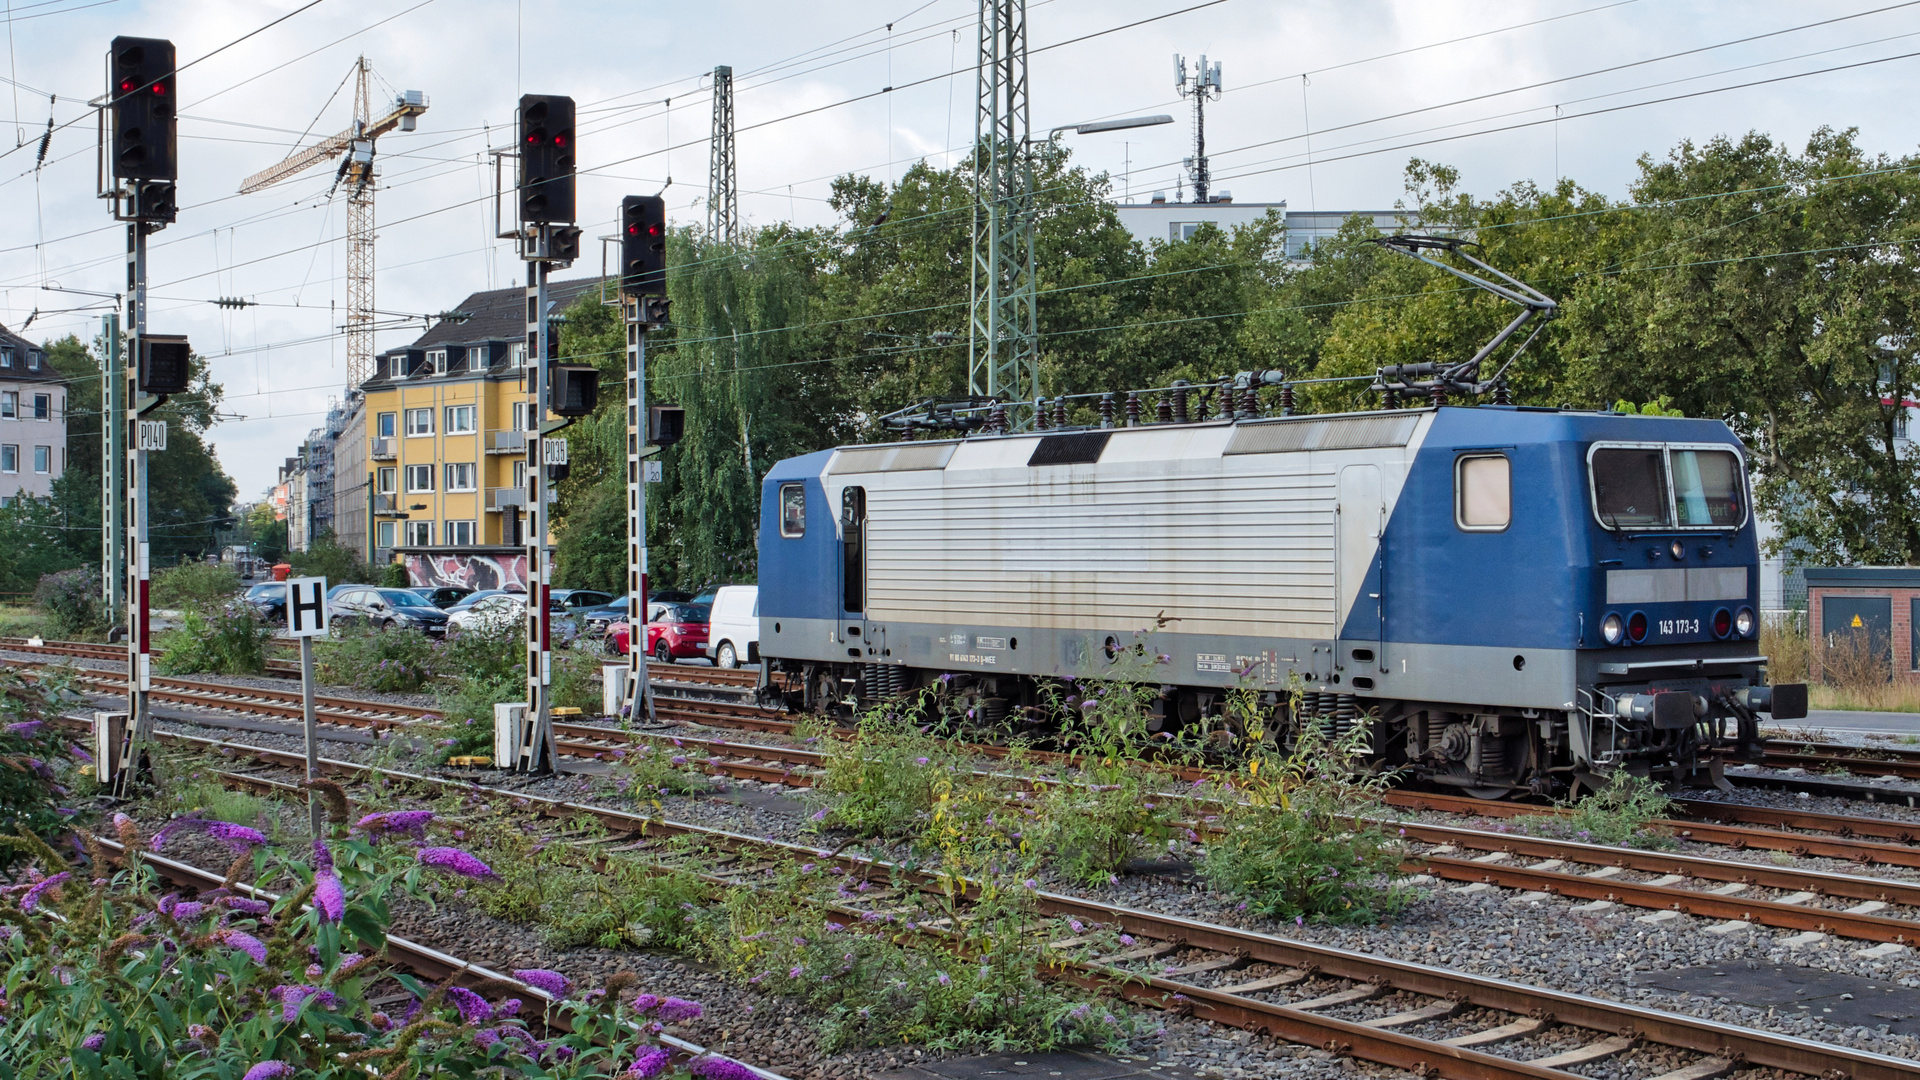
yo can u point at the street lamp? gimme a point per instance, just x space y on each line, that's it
1095 126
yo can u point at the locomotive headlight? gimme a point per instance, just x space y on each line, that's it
1743 621
1613 629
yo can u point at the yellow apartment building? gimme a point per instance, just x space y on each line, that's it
431 465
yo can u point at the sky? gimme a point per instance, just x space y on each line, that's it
1324 102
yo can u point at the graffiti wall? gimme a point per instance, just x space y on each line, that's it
476 572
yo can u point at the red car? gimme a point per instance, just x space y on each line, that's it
678 632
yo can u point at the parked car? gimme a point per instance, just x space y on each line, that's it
579 599
504 612
733 631
595 620
679 633
334 593
269 599
441 596
389 608
471 599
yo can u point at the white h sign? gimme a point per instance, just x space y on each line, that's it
307 607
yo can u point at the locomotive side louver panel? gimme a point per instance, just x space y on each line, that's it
1347 433
911 456
1080 448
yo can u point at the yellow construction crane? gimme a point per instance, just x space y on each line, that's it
354 147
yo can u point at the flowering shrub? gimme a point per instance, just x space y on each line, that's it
71 599
1619 814
1293 845
381 659
100 972
882 781
225 639
34 757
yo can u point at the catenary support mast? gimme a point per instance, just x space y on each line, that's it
1002 333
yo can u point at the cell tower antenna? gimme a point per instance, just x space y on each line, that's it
723 191
1002 335
1202 86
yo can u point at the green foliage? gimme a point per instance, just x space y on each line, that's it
199 585
226 640
653 770
1617 815
1294 841
624 904
71 599
393 576
883 781
1660 407
35 763
36 540
115 979
340 566
382 659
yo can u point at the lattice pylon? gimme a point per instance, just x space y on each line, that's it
723 191
359 284
1002 334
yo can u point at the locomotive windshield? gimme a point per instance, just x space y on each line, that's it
1658 487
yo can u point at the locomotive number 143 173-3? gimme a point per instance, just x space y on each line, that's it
1679 626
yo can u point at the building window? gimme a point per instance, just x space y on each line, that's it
33 360
517 354
389 478
9 458
419 478
460 419
519 416
419 533
10 405
478 358
388 423
6 358
386 533
43 406
397 366
438 358
43 459
459 534
419 422
459 477
520 472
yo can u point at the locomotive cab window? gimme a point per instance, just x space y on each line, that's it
793 510
1667 487
1483 492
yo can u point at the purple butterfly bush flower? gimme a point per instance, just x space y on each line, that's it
473 1008
269 1070
455 860
245 942
26 729
678 1010
719 1068
292 997
246 906
551 983
94 1041
32 897
646 1003
329 897
651 1063
397 822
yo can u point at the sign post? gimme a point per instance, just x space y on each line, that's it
306 620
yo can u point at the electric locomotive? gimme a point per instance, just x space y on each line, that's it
1510 598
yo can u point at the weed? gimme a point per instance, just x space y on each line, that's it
381 659
1293 844
227 640
1617 815
71 599
882 781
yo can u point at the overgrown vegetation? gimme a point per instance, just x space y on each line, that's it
225 639
485 665
1299 835
37 764
882 781
1092 821
1618 815
71 599
197 584
382 659
1857 671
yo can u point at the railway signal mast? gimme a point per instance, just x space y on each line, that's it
357 173
138 138
643 301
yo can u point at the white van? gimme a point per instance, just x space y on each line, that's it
733 627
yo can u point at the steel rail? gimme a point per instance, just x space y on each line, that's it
1724 1041
424 960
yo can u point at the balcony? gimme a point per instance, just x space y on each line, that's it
386 449
506 442
387 506
501 498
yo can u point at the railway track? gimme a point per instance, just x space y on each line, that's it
1430 1020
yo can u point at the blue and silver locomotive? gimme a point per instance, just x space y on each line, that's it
1511 598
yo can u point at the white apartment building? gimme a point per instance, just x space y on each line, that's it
33 420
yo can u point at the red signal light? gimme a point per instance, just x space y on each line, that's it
127 86
1722 623
160 89
559 140
1637 627
654 229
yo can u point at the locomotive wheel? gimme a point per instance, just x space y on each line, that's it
1489 793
